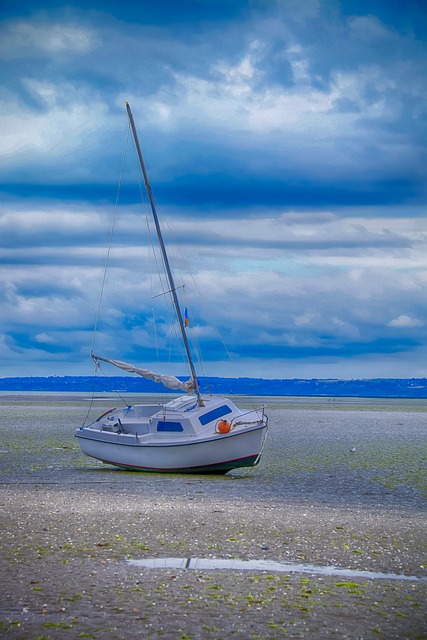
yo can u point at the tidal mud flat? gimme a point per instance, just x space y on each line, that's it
341 484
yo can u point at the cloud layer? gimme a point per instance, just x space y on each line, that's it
286 149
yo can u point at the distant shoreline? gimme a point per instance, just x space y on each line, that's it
316 387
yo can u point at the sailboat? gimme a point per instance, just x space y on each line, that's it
193 433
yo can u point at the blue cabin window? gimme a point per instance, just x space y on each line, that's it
166 425
214 414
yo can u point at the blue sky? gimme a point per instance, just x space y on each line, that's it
286 146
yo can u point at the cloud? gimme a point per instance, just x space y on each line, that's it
285 145
44 338
308 285
308 116
22 38
31 139
406 322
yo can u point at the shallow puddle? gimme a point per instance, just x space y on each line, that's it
263 565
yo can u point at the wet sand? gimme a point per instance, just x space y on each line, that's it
69 525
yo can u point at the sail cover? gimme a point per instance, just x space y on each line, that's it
168 381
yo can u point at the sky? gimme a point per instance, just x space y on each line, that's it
286 147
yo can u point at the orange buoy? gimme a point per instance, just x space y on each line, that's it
224 426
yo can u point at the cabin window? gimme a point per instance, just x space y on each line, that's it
214 414
166 425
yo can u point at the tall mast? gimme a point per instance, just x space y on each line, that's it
164 256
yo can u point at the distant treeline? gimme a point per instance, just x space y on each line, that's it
373 388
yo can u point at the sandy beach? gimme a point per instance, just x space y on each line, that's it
337 487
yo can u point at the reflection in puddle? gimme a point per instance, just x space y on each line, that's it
262 565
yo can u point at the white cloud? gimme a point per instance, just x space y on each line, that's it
304 127
301 124
65 123
290 306
233 102
22 38
368 29
44 338
275 99
404 321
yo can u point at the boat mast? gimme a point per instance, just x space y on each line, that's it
165 257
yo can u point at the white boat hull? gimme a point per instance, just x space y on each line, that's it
178 437
214 455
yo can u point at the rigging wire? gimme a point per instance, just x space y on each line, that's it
107 258
181 267
152 256
174 337
104 277
156 259
160 274
196 343
194 335
212 323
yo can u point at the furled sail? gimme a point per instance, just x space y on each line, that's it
168 381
